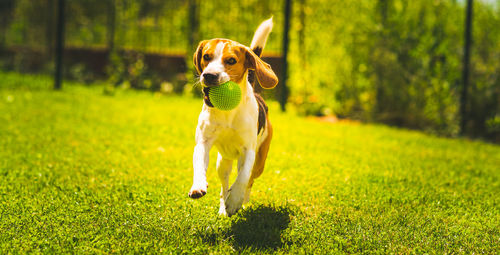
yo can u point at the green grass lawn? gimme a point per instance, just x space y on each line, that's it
86 172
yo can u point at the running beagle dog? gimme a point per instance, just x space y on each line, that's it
243 133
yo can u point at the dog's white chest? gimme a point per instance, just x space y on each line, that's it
231 132
229 143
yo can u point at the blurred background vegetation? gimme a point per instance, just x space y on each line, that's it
390 61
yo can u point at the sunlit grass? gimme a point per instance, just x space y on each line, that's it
82 171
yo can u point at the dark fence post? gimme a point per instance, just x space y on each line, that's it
194 25
465 67
59 44
193 39
111 25
284 89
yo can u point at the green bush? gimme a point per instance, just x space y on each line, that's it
395 62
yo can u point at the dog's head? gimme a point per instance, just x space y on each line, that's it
221 60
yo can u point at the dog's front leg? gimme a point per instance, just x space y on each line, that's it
224 170
236 193
200 165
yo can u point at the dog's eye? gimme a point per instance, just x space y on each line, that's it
206 57
231 61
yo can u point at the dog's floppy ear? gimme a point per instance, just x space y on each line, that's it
265 75
197 56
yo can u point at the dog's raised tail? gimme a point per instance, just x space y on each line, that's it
260 36
257 45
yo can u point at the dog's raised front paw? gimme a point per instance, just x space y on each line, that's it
234 201
197 192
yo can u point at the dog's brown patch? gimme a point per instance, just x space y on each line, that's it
251 73
245 58
260 158
262 112
206 97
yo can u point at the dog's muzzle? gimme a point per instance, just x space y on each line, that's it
210 79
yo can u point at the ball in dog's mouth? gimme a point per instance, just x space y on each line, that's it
226 96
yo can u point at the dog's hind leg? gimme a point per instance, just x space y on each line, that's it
260 161
236 193
247 192
224 167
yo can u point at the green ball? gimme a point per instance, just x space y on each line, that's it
226 96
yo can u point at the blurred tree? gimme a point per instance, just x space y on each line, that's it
484 95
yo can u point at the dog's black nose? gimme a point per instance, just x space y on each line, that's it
210 78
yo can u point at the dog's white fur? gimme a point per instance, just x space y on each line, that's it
233 132
216 65
260 37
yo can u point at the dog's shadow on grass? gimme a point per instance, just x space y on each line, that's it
258 227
